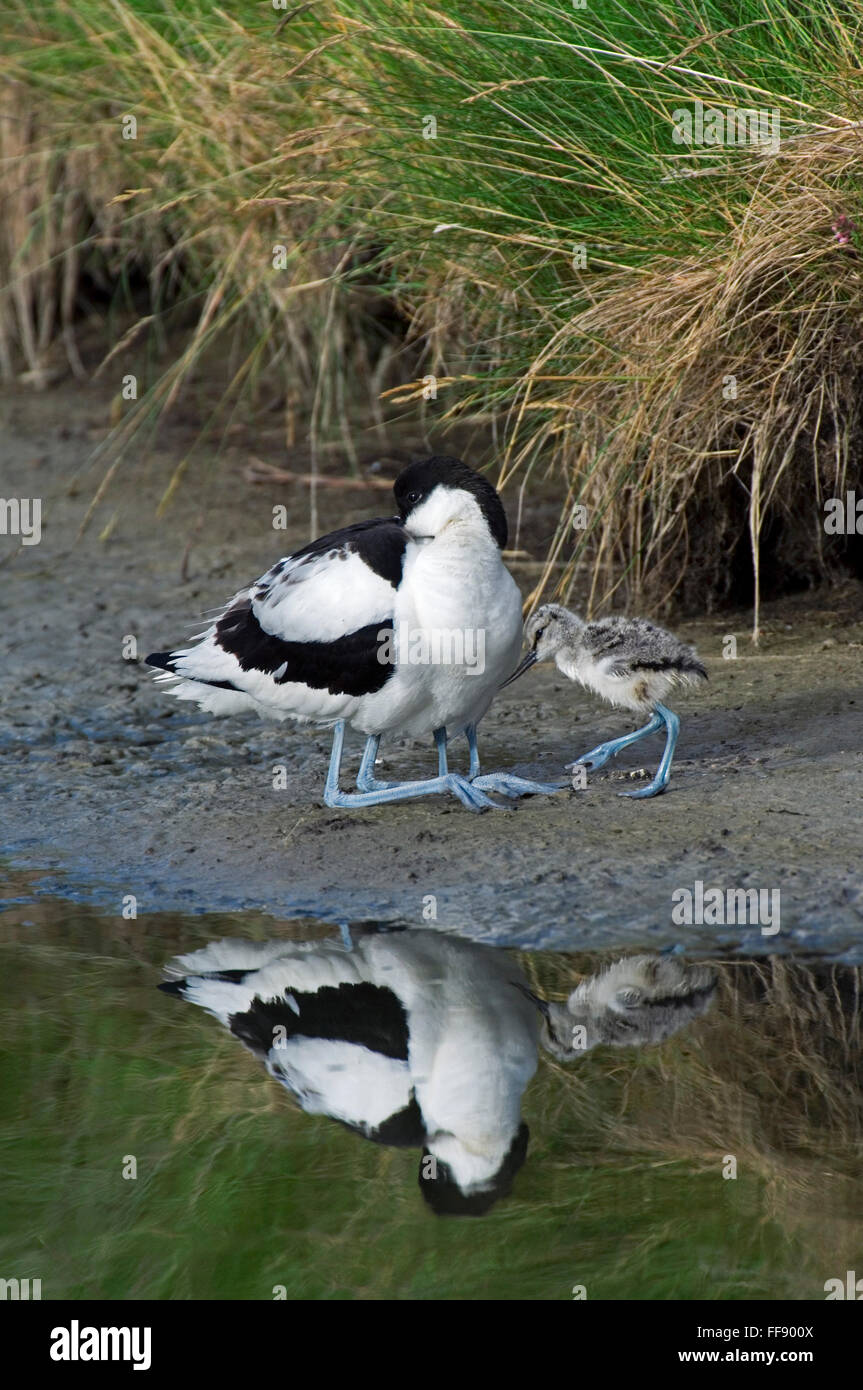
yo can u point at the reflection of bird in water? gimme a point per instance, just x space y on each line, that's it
412 1038
629 662
423 1040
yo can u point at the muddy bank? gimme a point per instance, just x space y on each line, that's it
111 788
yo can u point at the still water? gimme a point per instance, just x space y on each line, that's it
147 1154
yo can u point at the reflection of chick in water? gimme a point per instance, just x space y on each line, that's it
423 1040
643 999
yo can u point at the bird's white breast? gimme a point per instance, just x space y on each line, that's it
458 595
639 690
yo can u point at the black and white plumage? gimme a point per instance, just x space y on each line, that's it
422 1040
630 662
410 1038
329 634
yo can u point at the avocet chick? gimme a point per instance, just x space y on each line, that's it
630 662
640 1000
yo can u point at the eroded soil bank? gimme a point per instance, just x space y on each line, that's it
111 788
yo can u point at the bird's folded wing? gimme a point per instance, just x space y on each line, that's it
337 585
318 618
346 1081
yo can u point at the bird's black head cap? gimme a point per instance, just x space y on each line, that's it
445 1197
418 480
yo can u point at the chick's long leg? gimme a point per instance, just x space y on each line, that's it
660 781
603 751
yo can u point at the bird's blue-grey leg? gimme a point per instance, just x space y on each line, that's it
365 776
440 740
366 780
469 796
506 783
470 735
603 751
660 781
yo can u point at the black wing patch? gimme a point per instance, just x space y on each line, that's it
682 664
349 665
403 1130
363 1014
380 544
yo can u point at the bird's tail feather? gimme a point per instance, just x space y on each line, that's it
231 954
692 670
163 660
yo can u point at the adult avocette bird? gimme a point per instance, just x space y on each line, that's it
398 625
423 1040
411 1038
630 662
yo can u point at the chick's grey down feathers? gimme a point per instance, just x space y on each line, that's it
636 644
631 662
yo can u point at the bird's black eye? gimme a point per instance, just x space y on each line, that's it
414 497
